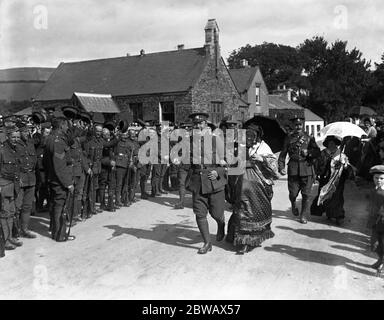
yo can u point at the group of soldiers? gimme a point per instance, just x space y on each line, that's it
70 162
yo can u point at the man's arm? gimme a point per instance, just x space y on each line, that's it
283 155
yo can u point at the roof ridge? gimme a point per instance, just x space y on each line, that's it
127 57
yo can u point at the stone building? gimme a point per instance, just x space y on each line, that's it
164 86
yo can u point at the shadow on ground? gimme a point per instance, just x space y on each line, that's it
320 257
171 234
348 238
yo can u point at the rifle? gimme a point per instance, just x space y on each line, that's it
2 240
69 196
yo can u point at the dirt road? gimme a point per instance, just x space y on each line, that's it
148 251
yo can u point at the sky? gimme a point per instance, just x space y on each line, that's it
43 33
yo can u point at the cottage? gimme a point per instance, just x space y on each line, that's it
164 86
250 83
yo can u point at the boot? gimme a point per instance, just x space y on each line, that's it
27 234
111 205
294 210
118 203
304 209
144 194
377 263
15 242
9 246
160 187
204 230
103 207
180 204
220 231
242 249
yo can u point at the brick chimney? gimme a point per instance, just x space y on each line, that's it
212 43
244 63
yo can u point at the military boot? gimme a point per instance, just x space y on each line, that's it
294 210
220 231
180 204
204 230
304 210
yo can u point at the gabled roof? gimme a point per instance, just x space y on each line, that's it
101 103
279 102
25 74
311 116
162 72
243 77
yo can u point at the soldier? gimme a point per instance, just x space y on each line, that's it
41 192
132 176
207 183
28 161
9 185
182 170
59 164
302 150
143 170
159 169
108 173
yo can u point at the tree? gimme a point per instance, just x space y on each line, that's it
278 63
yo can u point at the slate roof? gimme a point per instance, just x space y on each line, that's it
311 116
25 74
97 102
243 77
279 102
161 72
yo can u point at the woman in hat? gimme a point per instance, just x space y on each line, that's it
250 223
327 166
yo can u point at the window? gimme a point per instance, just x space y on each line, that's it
307 128
312 129
168 111
137 111
217 112
257 95
318 130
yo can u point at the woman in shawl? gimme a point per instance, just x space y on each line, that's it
250 223
332 177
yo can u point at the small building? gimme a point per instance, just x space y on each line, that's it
250 83
283 109
164 86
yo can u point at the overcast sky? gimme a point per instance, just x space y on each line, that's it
45 32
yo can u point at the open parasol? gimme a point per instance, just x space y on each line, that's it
341 130
274 134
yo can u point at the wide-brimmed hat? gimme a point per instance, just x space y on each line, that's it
335 139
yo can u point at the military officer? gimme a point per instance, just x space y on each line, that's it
9 185
207 182
302 150
28 161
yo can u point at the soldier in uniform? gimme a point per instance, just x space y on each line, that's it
59 164
28 161
207 184
159 169
183 170
132 176
302 150
143 170
123 153
9 185
41 192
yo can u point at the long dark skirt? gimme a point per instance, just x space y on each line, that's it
250 223
333 207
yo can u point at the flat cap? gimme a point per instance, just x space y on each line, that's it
377 169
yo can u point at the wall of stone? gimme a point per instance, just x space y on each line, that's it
217 86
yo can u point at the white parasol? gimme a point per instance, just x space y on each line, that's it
341 130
